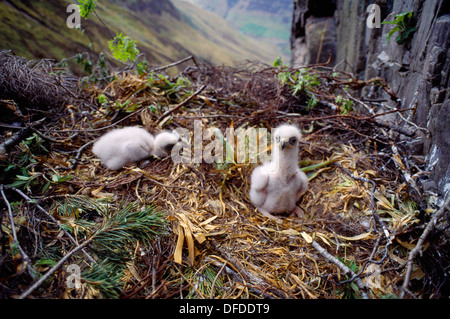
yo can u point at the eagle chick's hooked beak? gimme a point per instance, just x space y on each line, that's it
284 143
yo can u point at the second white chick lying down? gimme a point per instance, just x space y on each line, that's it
124 146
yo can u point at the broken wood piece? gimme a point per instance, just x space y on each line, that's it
180 104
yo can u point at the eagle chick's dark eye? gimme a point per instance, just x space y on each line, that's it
292 140
168 147
277 138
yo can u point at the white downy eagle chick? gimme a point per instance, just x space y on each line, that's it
277 185
124 146
164 142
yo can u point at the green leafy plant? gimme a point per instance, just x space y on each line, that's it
278 62
31 148
55 179
103 100
303 81
350 289
403 25
345 105
84 60
124 48
35 144
142 66
86 7
300 81
312 102
104 277
171 87
26 180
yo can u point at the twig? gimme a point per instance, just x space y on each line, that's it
207 116
347 271
387 112
22 134
418 249
425 130
323 64
248 278
80 150
14 140
211 295
370 260
13 229
54 268
372 199
45 137
410 182
362 103
303 118
175 63
180 105
51 218
104 127
396 128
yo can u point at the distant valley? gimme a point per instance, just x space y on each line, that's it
266 20
165 31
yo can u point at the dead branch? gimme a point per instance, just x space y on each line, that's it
55 221
13 230
54 268
303 118
215 279
14 140
80 150
19 136
175 64
418 248
407 176
372 200
347 271
180 104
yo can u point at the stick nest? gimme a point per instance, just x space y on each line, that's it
218 245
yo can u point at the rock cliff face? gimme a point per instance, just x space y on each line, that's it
313 34
418 70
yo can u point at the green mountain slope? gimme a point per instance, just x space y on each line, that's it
224 37
266 20
164 31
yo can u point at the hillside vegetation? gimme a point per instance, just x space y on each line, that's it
164 32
